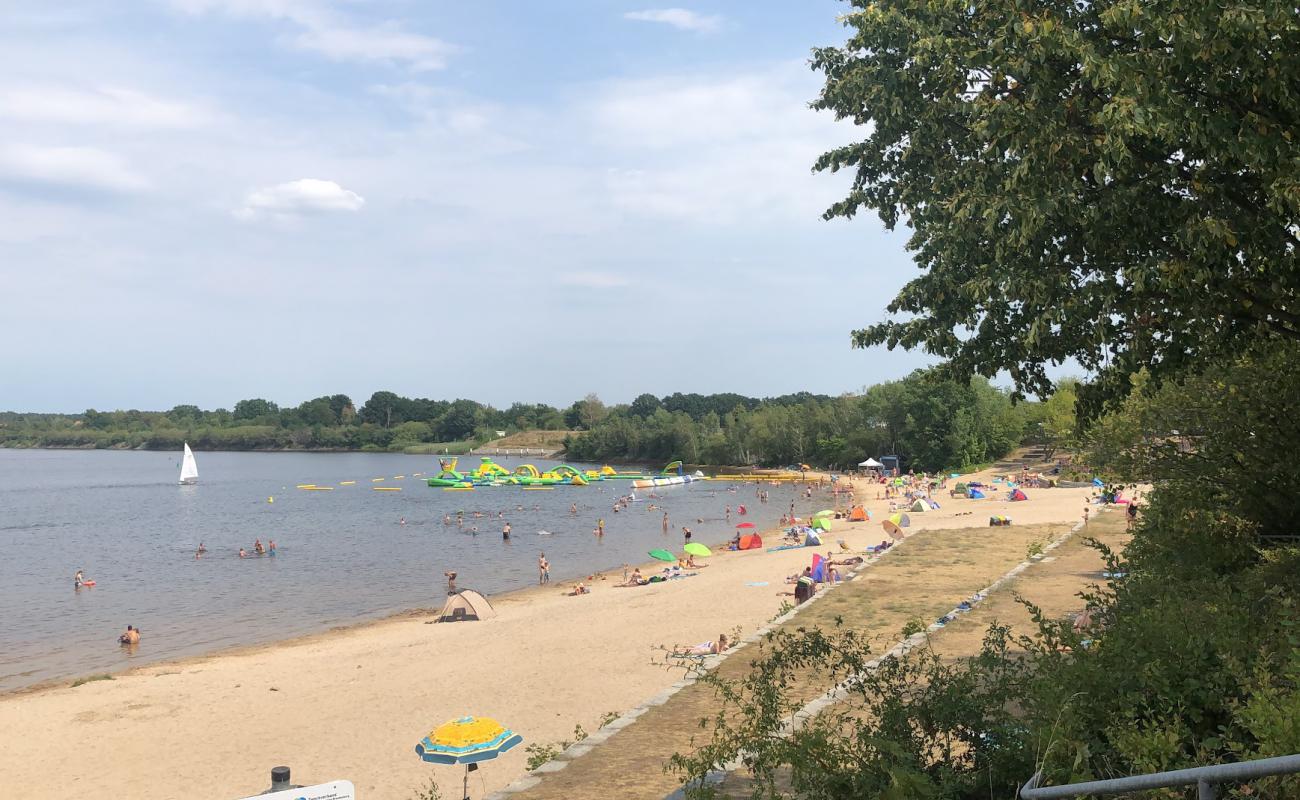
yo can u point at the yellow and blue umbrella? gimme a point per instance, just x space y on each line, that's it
467 740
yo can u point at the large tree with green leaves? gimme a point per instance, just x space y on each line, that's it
1113 181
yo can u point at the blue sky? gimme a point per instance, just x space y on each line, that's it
207 200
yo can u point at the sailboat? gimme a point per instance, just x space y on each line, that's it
189 468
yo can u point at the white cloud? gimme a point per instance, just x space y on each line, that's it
69 167
104 105
679 18
593 280
321 31
385 42
711 148
297 198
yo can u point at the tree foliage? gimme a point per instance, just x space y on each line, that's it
1114 181
932 423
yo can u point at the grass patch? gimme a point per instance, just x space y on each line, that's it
439 449
91 679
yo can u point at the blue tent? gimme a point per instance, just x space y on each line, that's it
976 494
1098 482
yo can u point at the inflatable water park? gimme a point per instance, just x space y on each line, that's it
490 473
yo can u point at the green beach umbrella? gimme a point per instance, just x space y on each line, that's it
826 512
697 549
663 555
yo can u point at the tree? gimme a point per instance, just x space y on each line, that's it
1109 181
384 409
644 405
185 414
254 409
459 421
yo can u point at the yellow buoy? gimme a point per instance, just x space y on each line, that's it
347 483
270 499
306 486
399 477
385 488
376 480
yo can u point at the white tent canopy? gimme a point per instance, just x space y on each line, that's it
871 462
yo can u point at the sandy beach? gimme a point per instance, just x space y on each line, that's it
352 704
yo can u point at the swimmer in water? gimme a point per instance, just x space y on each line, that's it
78 580
242 554
270 547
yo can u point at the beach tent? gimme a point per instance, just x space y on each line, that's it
818 568
976 494
751 541
812 539
466 606
1098 482
1017 496
858 514
961 489
919 505
821 524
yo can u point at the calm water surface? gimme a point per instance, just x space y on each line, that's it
343 555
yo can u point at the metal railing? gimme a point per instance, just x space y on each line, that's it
1204 778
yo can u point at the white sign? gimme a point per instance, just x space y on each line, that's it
334 790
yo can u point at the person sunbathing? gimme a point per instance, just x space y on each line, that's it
577 590
703 648
635 579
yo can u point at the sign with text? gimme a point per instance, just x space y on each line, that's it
334 790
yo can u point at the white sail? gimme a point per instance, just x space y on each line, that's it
189 468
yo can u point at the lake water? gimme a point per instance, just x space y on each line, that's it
343 555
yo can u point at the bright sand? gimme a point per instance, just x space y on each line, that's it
353 703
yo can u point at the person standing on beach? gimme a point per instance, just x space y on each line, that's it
451 581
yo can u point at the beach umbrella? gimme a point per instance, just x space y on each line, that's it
891 528
697 549
745 525
824 513
821 524
467 741
663 555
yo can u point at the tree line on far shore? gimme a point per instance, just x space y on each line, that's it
931 422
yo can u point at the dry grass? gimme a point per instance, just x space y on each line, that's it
923 578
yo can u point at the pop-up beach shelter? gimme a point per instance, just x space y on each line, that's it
466 606
976 494
919 505
751 541
1017 496
858 514
821 524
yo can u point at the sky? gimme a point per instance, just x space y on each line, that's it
209 200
